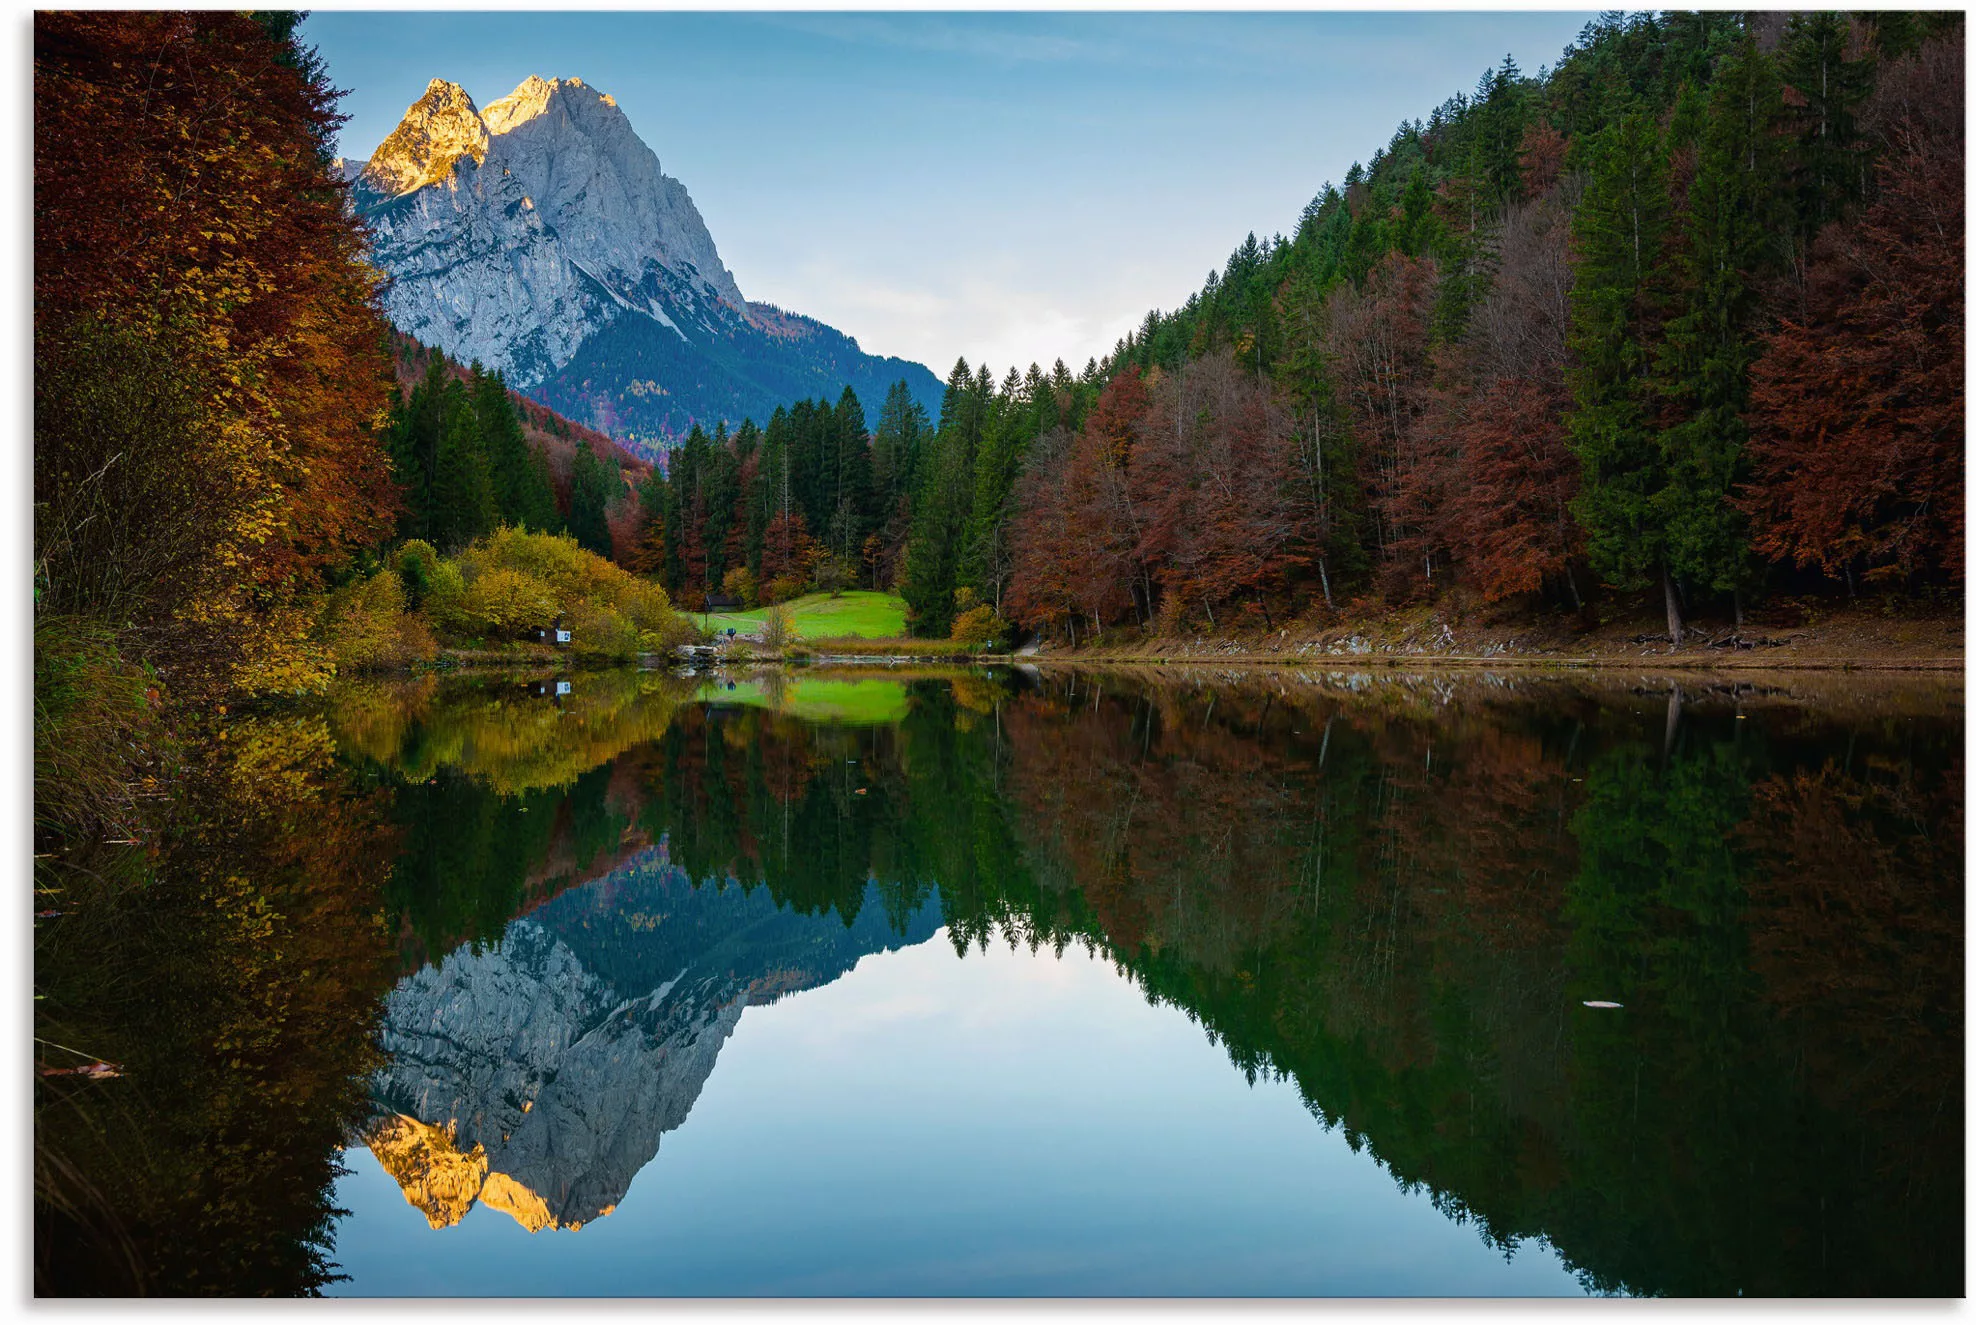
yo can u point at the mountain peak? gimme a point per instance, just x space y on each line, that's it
534 98
438 129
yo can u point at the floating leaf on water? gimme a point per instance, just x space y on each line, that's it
1601 1003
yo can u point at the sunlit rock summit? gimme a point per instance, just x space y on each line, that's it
540 236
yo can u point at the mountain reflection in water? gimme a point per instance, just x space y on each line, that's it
1413 901
538 1075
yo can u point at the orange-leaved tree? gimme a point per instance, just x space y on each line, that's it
196 264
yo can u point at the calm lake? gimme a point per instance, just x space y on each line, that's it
933 982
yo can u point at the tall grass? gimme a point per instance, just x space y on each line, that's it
93 727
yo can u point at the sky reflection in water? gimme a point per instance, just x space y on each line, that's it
1004 1123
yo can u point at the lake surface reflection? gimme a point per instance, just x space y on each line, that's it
1021 982
1006 983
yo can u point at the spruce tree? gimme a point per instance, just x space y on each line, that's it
593 485
852 514
1832 162
1618 231
414 447
1005 436
720 481
942 506
1731 225
463 503
520 474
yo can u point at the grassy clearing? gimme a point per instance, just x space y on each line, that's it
855 613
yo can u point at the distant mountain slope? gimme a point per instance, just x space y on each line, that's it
545 428
539 236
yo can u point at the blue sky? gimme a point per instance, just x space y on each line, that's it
1007 186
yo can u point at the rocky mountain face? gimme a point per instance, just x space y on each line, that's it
538 1076
540 236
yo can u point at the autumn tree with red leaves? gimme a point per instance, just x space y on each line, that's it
1508 497
1077 527
1377 340
1216 474
1857 407
789 552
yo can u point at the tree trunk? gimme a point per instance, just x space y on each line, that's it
1674 631
1324 578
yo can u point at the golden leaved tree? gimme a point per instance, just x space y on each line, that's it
210 364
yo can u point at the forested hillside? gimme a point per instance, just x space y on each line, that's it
474 455
1682 313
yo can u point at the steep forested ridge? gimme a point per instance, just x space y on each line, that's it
1681 314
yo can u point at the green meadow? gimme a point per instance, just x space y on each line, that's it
854 613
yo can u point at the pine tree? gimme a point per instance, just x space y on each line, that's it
520 473
416 430
895 453
851 516
593 485
1005 435
943 504
1730 225
1618 231
1832 165
463 503
720 481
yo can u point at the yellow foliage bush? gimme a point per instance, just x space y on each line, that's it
597 631
367 626
500 601
977 625
782 588
739 584
568 580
